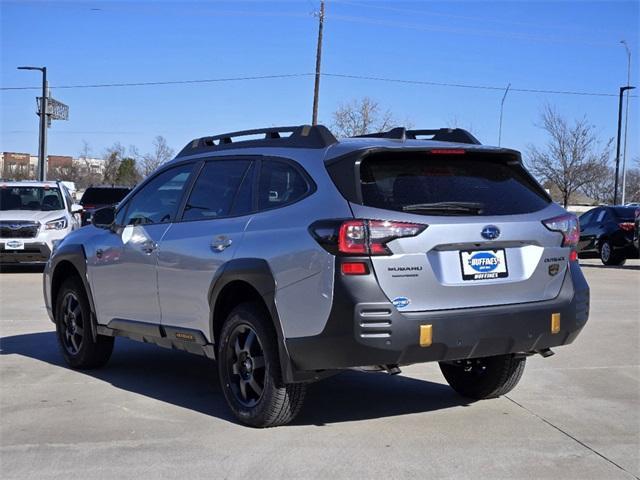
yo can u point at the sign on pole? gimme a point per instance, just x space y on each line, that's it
55 110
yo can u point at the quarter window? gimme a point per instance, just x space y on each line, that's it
157 201
280 184
215 190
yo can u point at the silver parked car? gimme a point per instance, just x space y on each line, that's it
295 256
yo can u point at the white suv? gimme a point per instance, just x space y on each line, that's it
34 216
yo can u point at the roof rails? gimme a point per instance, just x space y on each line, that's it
302 136
457 135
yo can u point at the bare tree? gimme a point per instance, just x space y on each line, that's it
112 158
360 117
161 153
86 173
572 158
632 193
455 122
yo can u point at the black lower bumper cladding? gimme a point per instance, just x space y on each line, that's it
374 332
32 253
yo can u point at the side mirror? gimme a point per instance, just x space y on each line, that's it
76 208
104 217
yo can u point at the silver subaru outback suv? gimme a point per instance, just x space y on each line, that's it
292 256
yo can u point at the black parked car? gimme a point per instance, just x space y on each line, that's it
99 197
607 232
636 230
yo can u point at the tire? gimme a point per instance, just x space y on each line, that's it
482 378
249 370
608 256
73 329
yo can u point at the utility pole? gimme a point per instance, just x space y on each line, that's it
42 139
501 110
626 125
615 188
316 89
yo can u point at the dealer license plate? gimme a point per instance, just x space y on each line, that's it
483 264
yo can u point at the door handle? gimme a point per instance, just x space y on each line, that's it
99 253
149 246
221 242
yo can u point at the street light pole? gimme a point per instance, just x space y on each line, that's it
615 188
42 138
626 125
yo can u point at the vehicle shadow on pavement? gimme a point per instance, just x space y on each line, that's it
610 267
190 381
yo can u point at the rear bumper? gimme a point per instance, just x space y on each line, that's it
376 333
34 252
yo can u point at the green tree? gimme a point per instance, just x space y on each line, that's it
127 172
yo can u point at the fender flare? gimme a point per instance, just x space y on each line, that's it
74 253
257 273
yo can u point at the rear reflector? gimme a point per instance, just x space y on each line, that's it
555 323
573 256
354 268
426 335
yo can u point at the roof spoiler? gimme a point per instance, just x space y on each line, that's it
456 135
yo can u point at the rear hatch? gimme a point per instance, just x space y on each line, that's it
484 244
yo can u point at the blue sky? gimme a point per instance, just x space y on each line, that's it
562 45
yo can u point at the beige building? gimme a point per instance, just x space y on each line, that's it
22 166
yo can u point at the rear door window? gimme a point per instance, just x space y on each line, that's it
585 219
448 185
214 192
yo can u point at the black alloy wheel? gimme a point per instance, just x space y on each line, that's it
72 324
245 359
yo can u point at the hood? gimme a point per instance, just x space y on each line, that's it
31 215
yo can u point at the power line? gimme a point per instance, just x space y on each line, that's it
169 82
334 75
481 20
464 85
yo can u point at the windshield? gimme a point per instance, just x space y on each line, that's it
103 196
30 198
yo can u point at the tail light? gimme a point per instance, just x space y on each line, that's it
361 237
568 226
627 226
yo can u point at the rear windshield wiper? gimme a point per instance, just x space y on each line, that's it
473 208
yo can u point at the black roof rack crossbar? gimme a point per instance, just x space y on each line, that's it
457 135
301 136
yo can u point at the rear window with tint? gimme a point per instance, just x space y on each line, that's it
625 213
103 196
395 181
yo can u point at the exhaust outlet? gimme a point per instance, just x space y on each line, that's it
545 352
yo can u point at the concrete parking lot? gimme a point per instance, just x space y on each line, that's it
153 413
